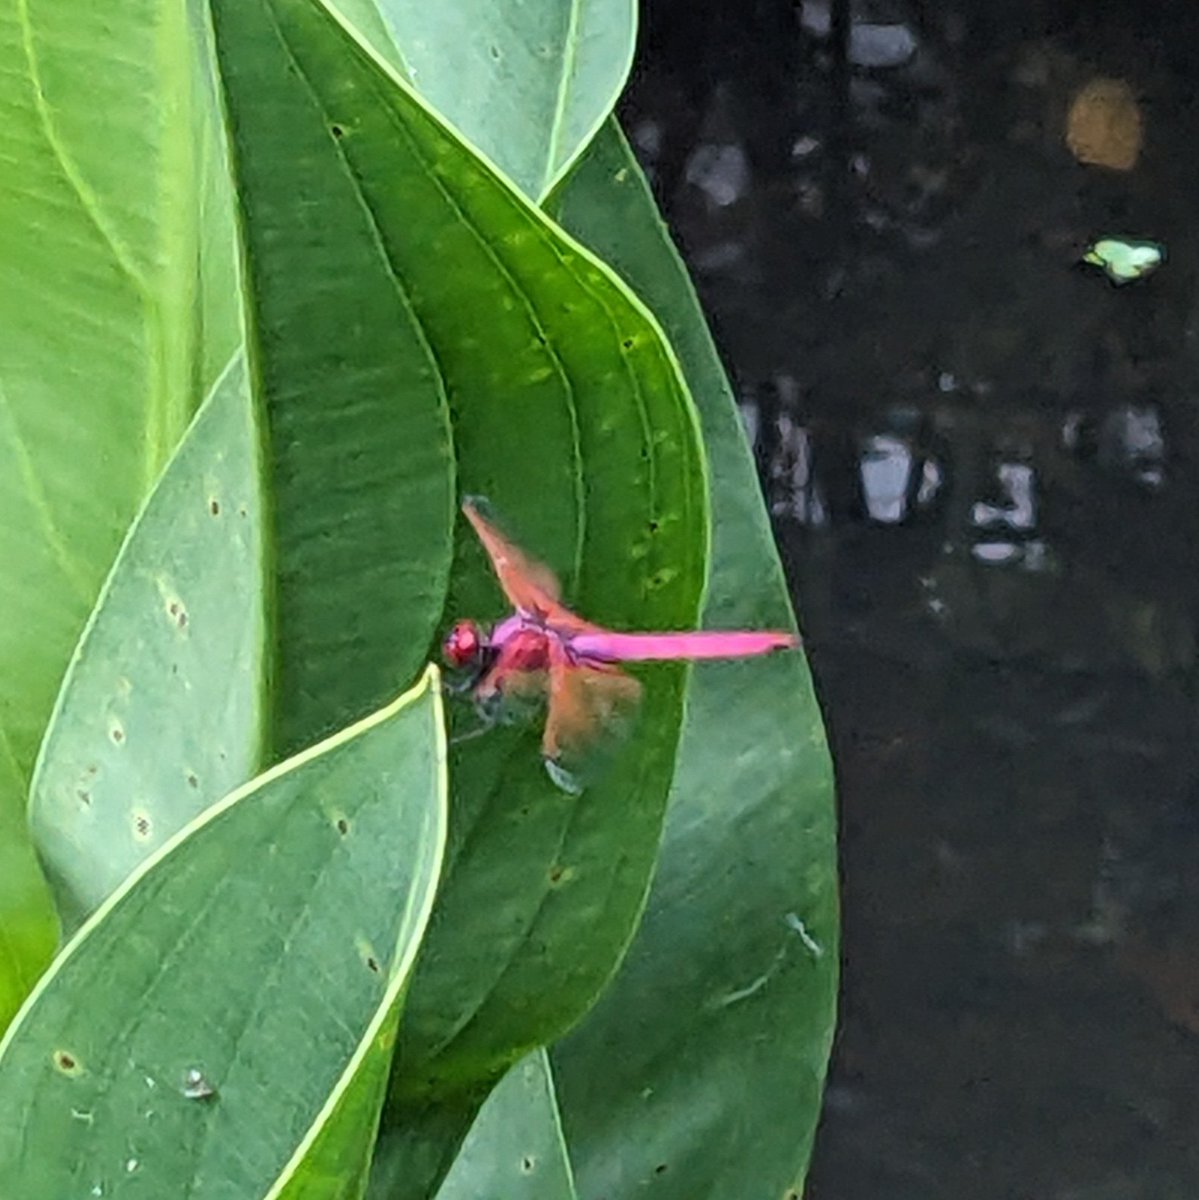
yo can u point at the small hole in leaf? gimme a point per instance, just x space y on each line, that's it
67 1063
116 733
343 826
85 797
192 779
555 874
494 51
653 527
337 130
627 343
791 1194
242 511
660 1169
214 507
527 1163
373 963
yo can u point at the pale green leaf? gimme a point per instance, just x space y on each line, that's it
110 334
528 84
197 1035
160 711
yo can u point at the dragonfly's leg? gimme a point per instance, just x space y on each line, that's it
486 723
479 730
459 685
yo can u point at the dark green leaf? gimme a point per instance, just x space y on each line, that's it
699 1073
568 411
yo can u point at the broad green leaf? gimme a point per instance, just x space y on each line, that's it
699 1072
515 1149
528 84
160 711
568 412
198 1034
109 334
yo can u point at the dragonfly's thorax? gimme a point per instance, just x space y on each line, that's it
527 648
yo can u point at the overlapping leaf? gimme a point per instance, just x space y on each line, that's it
528 84
197 1034
160 714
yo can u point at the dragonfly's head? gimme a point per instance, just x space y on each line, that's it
465 645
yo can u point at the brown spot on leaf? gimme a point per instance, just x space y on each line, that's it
66 1062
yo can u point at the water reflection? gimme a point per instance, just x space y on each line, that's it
983 462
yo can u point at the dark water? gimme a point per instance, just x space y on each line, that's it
983 461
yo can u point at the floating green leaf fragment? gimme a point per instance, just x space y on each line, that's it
1125 259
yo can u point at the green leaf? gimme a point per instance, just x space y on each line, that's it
357 453
109 334
568 412
160 711
199 1032
528 84
515 1147
699 1072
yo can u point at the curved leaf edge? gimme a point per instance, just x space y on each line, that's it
402 970
234 364
430 681
603 112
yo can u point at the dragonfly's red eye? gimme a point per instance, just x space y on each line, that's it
464 644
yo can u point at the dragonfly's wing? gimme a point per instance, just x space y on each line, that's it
530 586
589 704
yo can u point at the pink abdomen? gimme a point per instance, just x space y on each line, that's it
631 647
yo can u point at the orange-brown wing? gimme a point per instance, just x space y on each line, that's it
589 703
530 586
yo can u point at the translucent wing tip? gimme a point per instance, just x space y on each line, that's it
563 778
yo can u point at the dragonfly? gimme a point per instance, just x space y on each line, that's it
546 652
